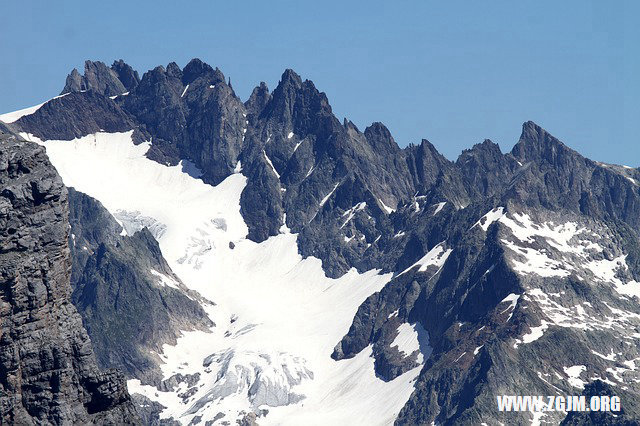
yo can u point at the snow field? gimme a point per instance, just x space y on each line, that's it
278 317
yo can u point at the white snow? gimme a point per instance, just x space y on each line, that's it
435 257
295 148
268 160
352 212
309 172
562 250
326 198
574 375
11 117
165 280
121 94
184 91
277 315
486 220
610 357
439 207
535 262
290 135
513 301
607 271
238 167
557 236
632 288
284 229
461 355
411 338
533 335
386 208
211 86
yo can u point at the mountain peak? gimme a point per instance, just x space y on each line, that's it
290 77
532 131
196 68
260 96
98 77
537 144
126 74
380 138
483 149
298 104
173 70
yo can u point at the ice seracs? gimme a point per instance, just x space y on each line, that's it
277 316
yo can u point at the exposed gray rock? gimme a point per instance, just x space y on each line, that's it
76 115
100 78
130 301
127 75
48 373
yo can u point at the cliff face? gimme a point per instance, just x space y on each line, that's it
48 372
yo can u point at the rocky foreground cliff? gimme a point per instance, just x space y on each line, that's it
48 372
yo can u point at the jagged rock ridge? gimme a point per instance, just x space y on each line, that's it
480 247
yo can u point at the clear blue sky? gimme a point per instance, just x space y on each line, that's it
451 72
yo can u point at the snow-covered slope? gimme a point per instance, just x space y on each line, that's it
277 315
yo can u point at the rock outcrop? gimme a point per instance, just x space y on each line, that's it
130 300
48 372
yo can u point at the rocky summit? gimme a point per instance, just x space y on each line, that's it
262 262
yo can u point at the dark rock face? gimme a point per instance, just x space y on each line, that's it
75 115
194 113
48 370
102 79
127 75
555 176
485 170
598 388
119 292
462 305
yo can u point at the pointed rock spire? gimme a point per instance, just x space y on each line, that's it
126 74
259 98
97 77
